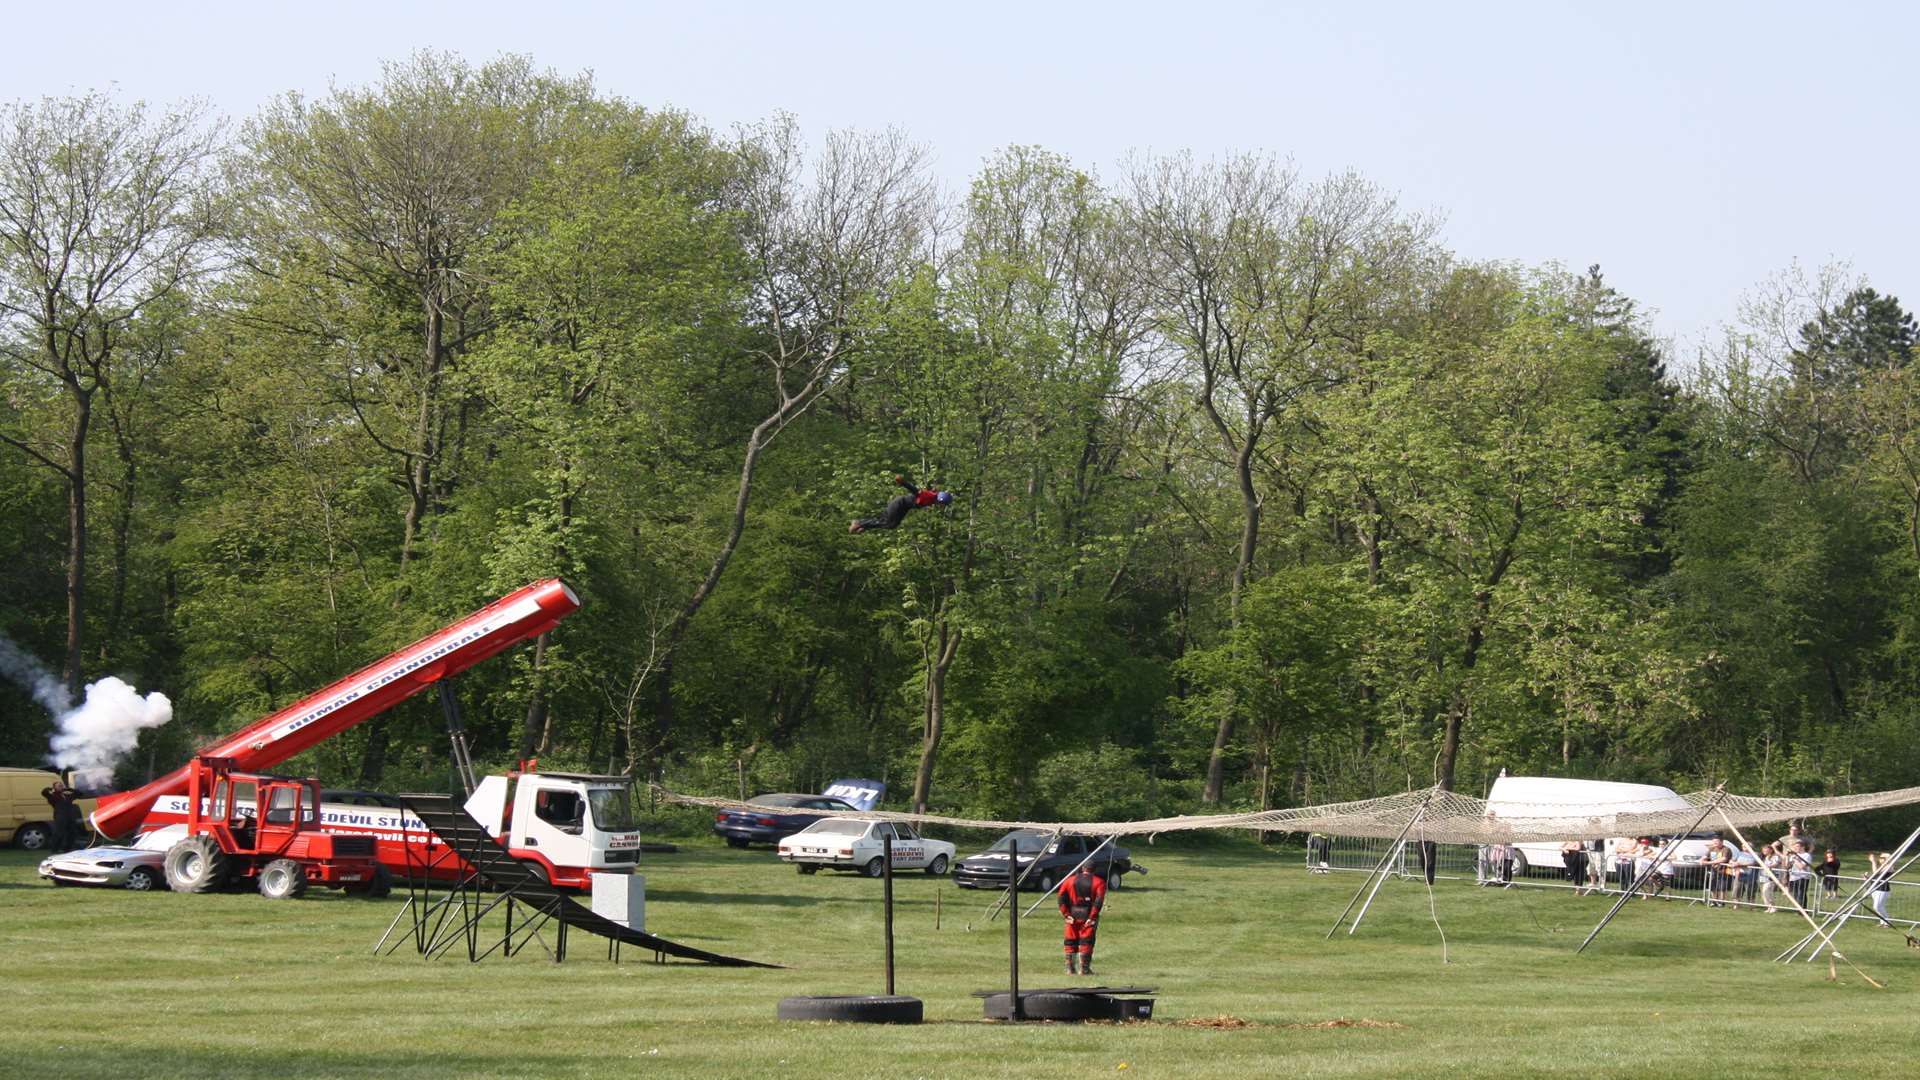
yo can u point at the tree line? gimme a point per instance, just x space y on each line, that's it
1262 495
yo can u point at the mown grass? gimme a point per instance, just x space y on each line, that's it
100 983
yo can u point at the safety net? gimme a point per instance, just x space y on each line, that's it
1445 816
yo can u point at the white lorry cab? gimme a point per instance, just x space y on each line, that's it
572 823
1524 800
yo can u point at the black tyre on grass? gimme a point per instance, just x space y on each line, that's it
376 887
938 866
197 865
876 867
853 1008
1041 1005
283 879
33 836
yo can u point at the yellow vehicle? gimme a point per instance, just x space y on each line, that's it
25 817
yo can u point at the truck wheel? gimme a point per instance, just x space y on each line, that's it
938 866
1114 879
197 865
853 1008
1046 883
144 879
876 867
374 888
283 879
33 836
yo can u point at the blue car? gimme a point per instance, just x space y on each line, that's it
779 815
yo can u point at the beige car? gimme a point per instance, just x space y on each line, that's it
25 817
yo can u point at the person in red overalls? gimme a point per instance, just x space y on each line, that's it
897 509
1081 898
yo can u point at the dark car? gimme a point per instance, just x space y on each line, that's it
988 870
783 815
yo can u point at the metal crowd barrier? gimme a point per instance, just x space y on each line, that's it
1691 883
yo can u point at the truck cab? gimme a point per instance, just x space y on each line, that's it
573 824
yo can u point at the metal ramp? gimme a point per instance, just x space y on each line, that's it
516 885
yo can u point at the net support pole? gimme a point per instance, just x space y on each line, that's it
1380 870
886 847
1858 896
1666 849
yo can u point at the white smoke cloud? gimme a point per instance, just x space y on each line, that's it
105 726
94 737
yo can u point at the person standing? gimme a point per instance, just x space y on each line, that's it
66 815
1623 862
1081 898
1747 864
1319 847
1574 855
1830 876
1718 866
1880 876
1772 863
1799 872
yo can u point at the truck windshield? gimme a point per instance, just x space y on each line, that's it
612 809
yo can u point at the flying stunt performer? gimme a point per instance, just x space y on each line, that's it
899 506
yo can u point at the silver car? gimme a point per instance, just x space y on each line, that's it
139 868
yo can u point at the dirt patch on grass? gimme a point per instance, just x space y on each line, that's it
1218 1023
1343 1022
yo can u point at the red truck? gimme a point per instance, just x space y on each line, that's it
572 825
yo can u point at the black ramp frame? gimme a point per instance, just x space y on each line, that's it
517 881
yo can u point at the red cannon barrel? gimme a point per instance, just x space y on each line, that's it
361 696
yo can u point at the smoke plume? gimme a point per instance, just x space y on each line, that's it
32 676
93 737
105 726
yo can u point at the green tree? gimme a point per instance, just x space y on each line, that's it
105 214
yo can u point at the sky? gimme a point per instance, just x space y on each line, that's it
1692 150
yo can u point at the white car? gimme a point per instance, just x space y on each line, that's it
139 867
845 843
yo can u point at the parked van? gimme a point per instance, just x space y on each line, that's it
25 817
1517 797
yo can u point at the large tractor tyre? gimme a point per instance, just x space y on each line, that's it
876 867
145 879
33 836
374 888
1041 1005
938 866
197 865
854 1008
283 879
382 884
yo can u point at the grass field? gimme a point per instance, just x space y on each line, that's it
105 983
